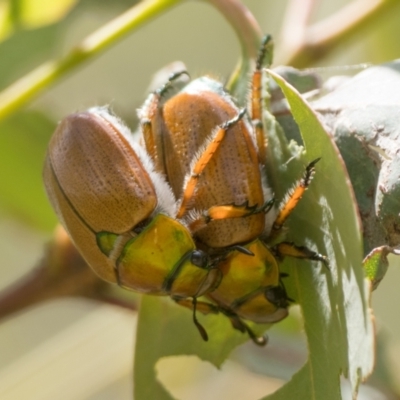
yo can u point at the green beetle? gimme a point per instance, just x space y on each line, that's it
119 212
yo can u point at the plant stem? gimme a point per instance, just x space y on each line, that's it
24 89
249 34
325 36
243 23
295 22
62 272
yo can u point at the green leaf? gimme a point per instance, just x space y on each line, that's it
5 20
166 329
23 143
35 13
25 50
334 304
29 14
364 119
376 264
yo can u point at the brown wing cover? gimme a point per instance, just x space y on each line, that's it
83 237
100 174
231 177
96 183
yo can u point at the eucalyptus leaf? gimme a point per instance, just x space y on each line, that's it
335 303
35 13
166 329
376 264
363 115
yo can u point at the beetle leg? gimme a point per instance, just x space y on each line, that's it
203 307
292 199
207 308
200 328
241 326
148 118
168 85
237 211
197 221
256 99
303 252
190 184
283 275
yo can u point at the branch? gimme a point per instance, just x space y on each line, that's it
26 88
249 34
61 273
294 24
325 36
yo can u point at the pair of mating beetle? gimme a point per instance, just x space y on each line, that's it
185 212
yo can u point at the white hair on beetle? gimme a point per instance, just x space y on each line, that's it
142 112
166 199
166 202
195 215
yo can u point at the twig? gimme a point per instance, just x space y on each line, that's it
61 273
325 36
243 23
295 22
249 34
24 89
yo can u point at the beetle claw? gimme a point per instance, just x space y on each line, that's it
168 85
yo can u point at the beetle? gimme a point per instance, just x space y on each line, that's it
183 211
121 213
208 165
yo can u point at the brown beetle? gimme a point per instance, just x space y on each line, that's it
214 158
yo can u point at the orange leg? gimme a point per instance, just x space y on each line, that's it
149 112
256 98
293 198
199 221
201 163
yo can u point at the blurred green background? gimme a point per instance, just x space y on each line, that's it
78 349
